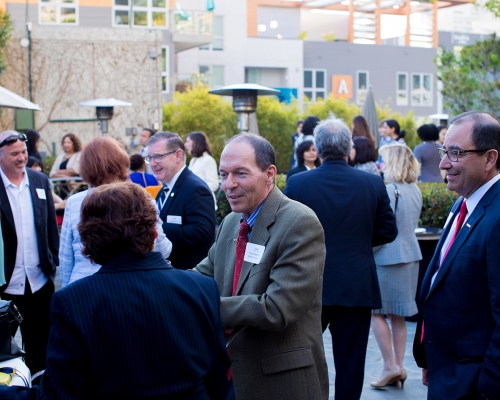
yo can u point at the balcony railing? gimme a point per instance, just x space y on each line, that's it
193 22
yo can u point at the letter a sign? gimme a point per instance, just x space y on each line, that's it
342 86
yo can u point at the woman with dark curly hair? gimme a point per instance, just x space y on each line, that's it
202 164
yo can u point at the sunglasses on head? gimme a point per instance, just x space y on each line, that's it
13 139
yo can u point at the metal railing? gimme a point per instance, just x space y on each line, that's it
193 22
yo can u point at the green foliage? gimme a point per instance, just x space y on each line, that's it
197 110
47 164
341 108
493 6
406 122
277 122
437 200
471 81
5 35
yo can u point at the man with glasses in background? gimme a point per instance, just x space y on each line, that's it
185 202
457 342
31 244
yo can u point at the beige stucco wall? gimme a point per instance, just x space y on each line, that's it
71 65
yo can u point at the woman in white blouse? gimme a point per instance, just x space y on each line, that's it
202 164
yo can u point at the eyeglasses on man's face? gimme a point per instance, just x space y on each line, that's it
454 154
157 158
13 139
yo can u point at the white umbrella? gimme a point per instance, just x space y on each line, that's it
9 99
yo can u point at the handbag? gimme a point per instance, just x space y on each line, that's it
10 318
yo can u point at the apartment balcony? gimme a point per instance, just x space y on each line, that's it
191 29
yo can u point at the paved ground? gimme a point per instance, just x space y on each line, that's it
414 390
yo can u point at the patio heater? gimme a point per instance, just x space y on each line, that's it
244 100
104 110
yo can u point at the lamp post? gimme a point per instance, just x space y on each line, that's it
244 100
104 110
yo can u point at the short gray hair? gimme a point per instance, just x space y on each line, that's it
172 140
333 139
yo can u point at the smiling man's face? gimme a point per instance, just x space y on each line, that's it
469 172
245 185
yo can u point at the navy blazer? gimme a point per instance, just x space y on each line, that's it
45 225
355 212
461 311
137 328
192 200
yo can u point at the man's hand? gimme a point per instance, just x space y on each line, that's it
425 377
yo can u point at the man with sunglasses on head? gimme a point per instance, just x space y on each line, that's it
31 244
457 342
185 202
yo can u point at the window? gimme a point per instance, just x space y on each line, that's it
64 12
164 70
421 90
218 73
213 75
253 75
140 13
362 86
402 89
218 43
315 84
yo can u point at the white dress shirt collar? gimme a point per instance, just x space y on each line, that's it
172 181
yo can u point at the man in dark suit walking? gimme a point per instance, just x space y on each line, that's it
354 209
31 244
185 202
457 342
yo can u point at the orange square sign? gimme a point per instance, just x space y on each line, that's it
342 86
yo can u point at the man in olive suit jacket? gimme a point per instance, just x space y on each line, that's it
272 284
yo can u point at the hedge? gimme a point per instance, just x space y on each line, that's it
197 110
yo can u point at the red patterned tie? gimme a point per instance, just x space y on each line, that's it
241 244
460 223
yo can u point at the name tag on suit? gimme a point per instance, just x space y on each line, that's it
41 194
174 219
253 253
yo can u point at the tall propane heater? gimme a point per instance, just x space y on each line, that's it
245 100
104 110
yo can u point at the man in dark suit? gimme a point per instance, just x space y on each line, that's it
138 328
31 244
457 342
354 209
185 202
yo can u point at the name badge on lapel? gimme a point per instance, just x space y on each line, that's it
41 194
253 253
174 219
